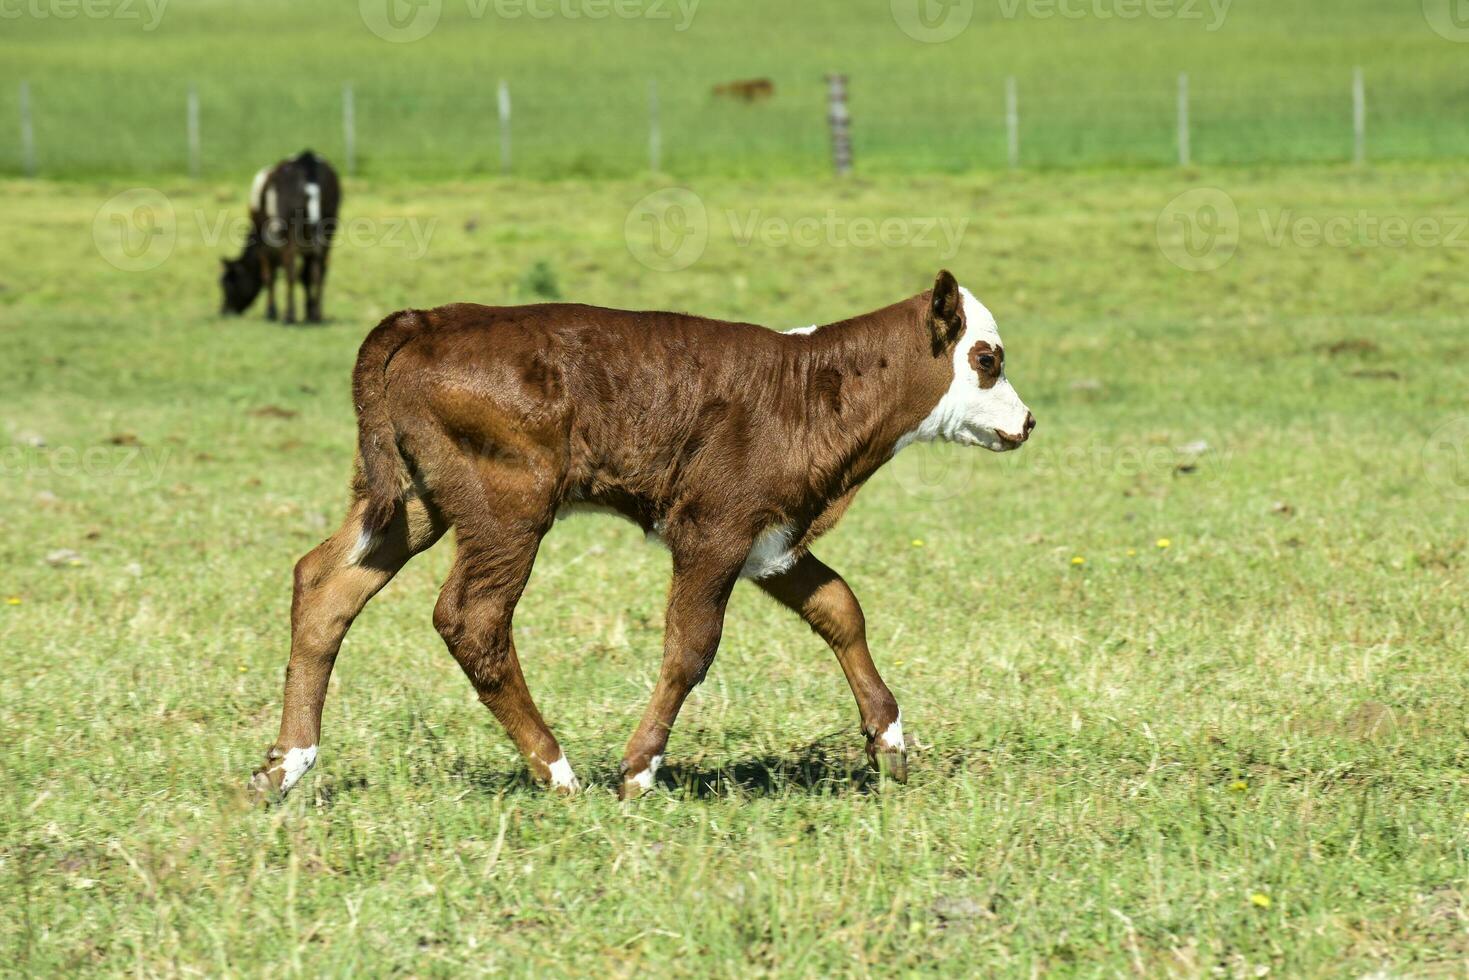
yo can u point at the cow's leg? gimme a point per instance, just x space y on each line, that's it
315 279
474 617
288 272
333 582
267 276
693 625
826 603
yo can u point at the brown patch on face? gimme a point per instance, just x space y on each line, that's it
987 361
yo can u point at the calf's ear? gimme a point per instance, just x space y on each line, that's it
945 312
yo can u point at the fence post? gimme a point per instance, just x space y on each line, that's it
349 128
655 131
27 132
840 119
1359 118
1185 152
192 120
504 127
1012 122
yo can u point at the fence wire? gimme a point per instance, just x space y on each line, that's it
559 129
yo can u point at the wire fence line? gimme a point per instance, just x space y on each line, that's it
1025 124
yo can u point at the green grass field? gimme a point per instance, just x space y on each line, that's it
1270 83
1242 752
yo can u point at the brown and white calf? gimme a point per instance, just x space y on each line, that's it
734 445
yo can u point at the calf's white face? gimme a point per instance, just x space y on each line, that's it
980 407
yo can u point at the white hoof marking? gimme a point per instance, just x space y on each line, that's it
294 765
892 736
561 775
644 779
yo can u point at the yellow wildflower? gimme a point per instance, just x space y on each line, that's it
1164 543
1260 900
1078 561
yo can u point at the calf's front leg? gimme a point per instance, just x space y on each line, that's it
694 624
821 597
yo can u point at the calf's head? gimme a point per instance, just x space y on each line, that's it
239 281
979 407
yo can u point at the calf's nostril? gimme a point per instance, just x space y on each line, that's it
1029 424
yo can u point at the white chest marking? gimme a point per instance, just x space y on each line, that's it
771 554
294 765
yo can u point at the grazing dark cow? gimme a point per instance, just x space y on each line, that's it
748 90
734 445
294 210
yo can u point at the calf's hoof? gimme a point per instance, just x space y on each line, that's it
283 769
262 791
640 782
888 752
891 763
559 778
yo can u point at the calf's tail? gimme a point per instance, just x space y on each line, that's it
383 474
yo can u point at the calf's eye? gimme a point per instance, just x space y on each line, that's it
987 361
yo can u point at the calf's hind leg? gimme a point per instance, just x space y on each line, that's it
333 582
473 615
315 285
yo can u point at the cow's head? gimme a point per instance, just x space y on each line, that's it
239 281
979 408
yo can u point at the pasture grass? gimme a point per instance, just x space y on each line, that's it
1239 752
1270 82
